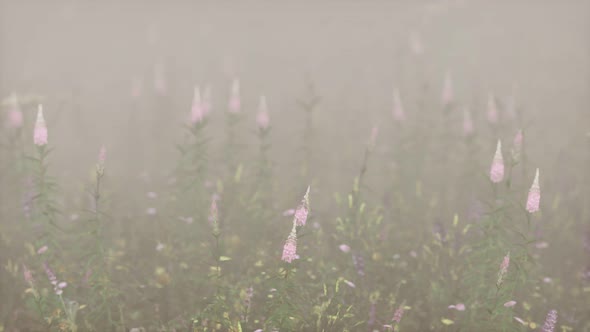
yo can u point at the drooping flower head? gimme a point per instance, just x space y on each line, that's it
40 132
497 169
447 92
534 198
492 113
234 99
550 321
503 269
302 210
398 107
290 247
467 123
197 112
262 118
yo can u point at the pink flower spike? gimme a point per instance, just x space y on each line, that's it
399 313
234 100
290 248
416 44
398 107
492 109
447 92
497 169
207 100
550 321
534 198
28 275
503 269
40 132
467 123
197 112
262 118
302 210
509 304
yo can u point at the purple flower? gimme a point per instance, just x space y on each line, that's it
290 248
550 321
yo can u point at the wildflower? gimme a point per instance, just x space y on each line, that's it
467 123
234 100
359 264
349 283
503 269
517 146
214 217
28 275
497 169
262 118
398 107
102 156
302 210
15 116
344 248
550 321
399 313
42 250
207 100
58 286
136 87
40 133
197 112
373 138
532 203
290 248
458 306
447 93
416 44
492 109
160 79
509 304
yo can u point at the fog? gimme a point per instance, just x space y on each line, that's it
390 111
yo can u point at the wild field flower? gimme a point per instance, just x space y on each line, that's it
399 313
58 286
344 248
290 247
497 169
458 306
207 104
492 113
102 156
262 118
302 210
503 269
398 107
534 198
447 92
42 250
509 304
197 112
517 146
416 44
373 138
40 132
28 275
467 123
234 99
550 321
